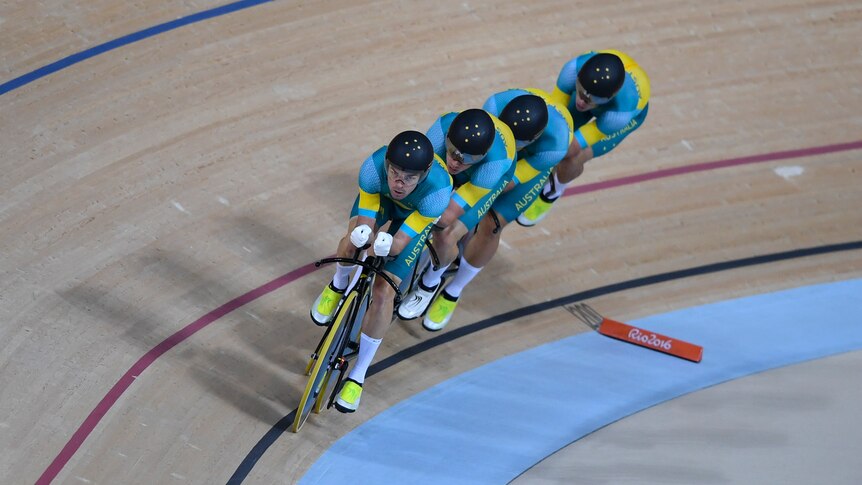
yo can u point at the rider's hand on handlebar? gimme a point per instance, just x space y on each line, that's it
382 244
360 235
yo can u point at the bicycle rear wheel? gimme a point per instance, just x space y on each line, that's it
321 370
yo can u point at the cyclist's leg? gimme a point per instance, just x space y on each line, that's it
572 166
379 315
345 250
377 319
569 168
439 304
351 389
443 305
486 240
449 238
445 244
482 246
478 252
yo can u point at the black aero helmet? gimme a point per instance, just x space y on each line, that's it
471 135
527 116
602 75
410 151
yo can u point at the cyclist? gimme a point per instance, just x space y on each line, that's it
479 151
543 133
607 94
404 182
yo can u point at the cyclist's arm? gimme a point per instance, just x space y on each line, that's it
567 79
524 171
452 213
360 220
399 241
468 194
561 96
602 126
408 231
428 211
369 205
549 149
370 183
535 163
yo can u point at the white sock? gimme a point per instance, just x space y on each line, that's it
367 348
342 275
466 273
433 276
559 186
424 260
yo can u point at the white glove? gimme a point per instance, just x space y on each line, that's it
359 236
382 244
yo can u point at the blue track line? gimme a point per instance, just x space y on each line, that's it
125 40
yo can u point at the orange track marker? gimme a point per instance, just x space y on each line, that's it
634 335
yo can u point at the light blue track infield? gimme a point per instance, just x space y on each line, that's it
494 422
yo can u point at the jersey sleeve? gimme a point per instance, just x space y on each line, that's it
437 137
370 184
567 80
612 121
497 102
485 178
550 148
533 164
430 208
602 126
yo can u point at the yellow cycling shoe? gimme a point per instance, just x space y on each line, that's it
440 312
348 398
324 306
537 211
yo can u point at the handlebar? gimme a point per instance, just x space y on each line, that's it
375 265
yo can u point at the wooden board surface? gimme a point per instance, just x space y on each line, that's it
147 186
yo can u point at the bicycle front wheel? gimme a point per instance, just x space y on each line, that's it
321 369
349 348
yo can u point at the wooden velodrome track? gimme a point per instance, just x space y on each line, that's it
146 188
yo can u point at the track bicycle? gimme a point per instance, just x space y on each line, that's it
341 337
340 341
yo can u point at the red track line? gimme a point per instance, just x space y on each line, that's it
141 365
700 167
144 362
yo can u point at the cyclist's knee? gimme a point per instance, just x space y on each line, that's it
446 241
491 225
344 248
577 168
573 151
572 166
382 287
444 238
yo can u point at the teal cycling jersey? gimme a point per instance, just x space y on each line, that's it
620 114
485 176
551 146
419 208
